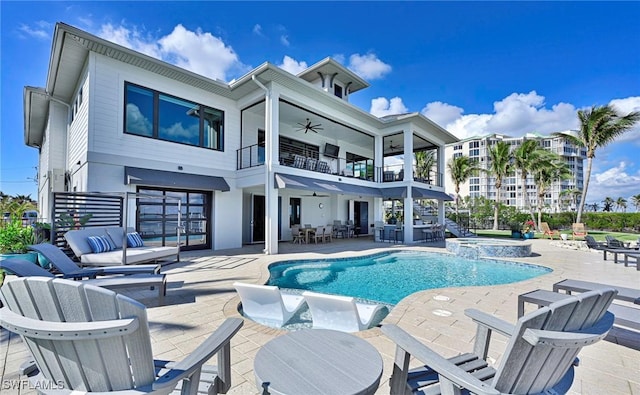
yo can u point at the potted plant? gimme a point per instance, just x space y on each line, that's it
15 240
516 232
527 230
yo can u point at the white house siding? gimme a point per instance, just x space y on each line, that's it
108 119
227 206
78 130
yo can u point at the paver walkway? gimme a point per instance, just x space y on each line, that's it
200 296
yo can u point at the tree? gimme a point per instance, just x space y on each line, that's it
548 169
425 162
573 194
460 169
608 204
621 204
635 200
499 166
524 159
599 126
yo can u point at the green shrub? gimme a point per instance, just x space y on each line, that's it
15 238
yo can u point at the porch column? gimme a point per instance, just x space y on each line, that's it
272 131
441 182
407 181
378 203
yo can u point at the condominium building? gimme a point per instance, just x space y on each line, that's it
477 148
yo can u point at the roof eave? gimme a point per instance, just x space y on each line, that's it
35 113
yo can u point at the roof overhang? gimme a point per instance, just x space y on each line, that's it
426 193
172 179
330 67
36 109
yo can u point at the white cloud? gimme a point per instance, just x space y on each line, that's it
284 40
368 66
624 107
293 66
515 115
41 30
257 29
442 113
381 107
197 51
614 182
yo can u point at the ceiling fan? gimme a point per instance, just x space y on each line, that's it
316 195
391 146
309 127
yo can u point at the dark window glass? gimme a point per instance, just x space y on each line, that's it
337 90
213 121
178 120
139 111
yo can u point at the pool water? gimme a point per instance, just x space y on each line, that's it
391 276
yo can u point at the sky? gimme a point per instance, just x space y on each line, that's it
474 68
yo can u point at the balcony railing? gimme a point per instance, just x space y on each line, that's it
312 160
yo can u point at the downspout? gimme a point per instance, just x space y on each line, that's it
268 161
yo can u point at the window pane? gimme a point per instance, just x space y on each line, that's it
139 111
178 120
213 136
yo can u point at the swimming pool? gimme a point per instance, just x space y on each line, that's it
391 276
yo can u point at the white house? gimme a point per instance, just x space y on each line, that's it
249 159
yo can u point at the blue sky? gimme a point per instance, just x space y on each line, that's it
473 67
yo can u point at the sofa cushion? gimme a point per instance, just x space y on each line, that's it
134 255
100 244
134 240
117 235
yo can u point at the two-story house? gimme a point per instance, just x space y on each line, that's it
248 159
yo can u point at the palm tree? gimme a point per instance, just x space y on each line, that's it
621 204
425 162
608 204
635 200
461 169
598 127
548 169
524 159
594 207
573 194
499 166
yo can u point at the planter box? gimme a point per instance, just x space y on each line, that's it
528 235
516 234
29 256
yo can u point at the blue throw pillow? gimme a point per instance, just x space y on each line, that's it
134 240
100 244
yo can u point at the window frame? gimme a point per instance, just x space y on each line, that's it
155 118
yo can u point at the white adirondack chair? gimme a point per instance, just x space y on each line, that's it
89 339
542 349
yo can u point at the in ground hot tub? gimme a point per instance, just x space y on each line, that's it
485 247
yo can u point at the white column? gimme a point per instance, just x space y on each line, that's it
408 180
272 131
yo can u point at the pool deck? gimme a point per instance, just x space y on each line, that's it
200 296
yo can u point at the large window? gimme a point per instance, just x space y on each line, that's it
153 114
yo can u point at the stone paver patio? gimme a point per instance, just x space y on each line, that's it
200 296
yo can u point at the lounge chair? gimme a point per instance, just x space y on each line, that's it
593 244
612 242
70 269
578 230
539 356
546 231
105 346
23 268
266 304
341 313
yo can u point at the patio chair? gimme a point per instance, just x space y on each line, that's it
104 346
318 234
70 269
539 357
23 268
593 244
328 233
578 230
612 242
266 304
546 231
341 313
297 234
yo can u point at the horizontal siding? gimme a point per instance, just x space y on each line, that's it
107 119
78 142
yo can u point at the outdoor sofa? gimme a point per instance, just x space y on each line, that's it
78 240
